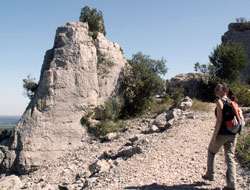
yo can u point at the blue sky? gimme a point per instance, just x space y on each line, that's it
181 31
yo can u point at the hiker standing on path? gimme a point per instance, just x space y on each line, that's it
223 137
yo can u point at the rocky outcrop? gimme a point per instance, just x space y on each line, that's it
240 33
189 82
78 74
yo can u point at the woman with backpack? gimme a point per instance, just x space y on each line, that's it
222 137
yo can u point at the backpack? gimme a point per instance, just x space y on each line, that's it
232 116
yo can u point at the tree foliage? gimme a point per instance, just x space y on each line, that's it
242 93
94 19
142 81
227 61
241 20
201 68
29 86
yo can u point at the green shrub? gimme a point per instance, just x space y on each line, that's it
226 61
242 93
248 123
93 34
29 86
94 19
177 95
159 105
241 26
243 149
85 119
106 126
206 91
142 81
165 98
107 116
6 133
105 111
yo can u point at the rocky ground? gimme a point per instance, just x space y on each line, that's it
144 157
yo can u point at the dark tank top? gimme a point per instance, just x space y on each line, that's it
223 128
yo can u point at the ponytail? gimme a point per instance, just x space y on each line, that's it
231 95
228 91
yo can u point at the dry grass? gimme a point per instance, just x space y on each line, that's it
201 106
158 106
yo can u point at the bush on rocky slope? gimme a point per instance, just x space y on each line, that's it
243 147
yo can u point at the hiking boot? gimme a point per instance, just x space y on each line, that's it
206 177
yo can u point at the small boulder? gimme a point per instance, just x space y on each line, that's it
124 152
187 102
170 123
11 183
160 121
153 129
135 138
98 167
173 114
110 136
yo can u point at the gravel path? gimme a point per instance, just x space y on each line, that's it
173 159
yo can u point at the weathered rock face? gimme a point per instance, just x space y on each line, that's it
240 33
72 81
190 83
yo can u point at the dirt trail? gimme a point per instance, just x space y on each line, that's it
175 159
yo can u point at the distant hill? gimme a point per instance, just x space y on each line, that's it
6 120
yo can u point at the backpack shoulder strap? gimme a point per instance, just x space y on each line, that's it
236 109
225 100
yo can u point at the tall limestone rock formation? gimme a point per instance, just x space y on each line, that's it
240 33
78 74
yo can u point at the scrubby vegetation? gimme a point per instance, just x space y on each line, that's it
158 105
241 24
200 106
206 90
106 126
176 94
226 61
106 119
242 93
141 83
29 86
6 132
94 19
243 147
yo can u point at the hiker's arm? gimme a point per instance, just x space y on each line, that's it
218 119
